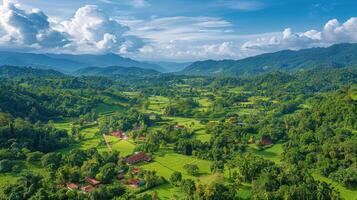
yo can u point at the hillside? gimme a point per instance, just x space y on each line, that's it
115 70
336 56
69 63
172 66
13 71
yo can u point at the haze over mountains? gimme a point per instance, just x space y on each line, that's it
115 70
339 55
336 56
69 63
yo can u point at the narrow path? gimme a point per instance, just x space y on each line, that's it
107 142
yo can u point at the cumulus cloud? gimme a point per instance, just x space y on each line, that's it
92 30
89 31
27 29
333 32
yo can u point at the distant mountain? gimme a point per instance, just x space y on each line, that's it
13 71
69 63
106 60
172 66
339 55
115 70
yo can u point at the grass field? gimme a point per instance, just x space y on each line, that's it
125 147
171 162
345 193
105 109
157 104
272 153
63 125
10 178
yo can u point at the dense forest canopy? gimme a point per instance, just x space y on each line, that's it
277 135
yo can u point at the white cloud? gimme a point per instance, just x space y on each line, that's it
183 38
89 31
92 30
243 5
27 29
132 3
140 3
333 32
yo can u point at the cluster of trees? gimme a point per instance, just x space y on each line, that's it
74 168
181 138
181 107
268 180
131 119
321 137
43 103
20 139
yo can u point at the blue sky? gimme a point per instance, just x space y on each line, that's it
176 30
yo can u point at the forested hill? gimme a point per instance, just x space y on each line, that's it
336 56
14 71
69 63
115 70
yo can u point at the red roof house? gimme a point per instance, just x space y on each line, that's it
87 188
136 171
138 157
134 182
72 186
120 134
265 140
92 181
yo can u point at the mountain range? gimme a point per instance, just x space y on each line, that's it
339 55
69 63
115 70
335 56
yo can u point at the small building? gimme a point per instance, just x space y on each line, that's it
72 186
120 134
120 176
92 181
265 140
87 188
136 170
138 157
178 127
136 183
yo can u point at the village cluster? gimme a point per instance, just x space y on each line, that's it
129 178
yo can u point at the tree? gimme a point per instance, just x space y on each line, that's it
189 188
5 166
191 169
217 166
51 160
107 172
176 178
34 156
